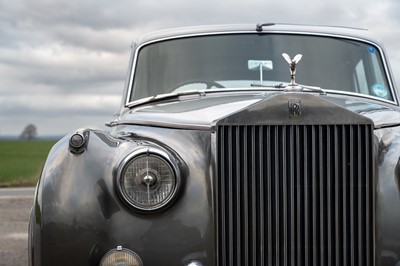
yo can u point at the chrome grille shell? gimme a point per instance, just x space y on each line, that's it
295 192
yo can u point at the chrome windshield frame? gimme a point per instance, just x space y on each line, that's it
382 54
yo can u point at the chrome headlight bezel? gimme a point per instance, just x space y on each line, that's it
163 157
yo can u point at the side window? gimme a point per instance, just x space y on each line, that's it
369 76
377 69
379 87
360 79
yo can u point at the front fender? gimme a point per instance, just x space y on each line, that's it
73 193
388 197
78 215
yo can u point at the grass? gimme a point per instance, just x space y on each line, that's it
21 161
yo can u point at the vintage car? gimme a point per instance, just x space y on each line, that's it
268 144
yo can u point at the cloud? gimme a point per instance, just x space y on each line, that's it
42 105
56 114
63 67
69 58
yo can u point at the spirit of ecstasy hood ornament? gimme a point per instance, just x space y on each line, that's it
292 65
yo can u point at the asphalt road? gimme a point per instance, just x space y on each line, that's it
15 207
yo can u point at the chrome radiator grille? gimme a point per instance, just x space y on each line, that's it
295 195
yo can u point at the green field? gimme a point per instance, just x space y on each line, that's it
21 161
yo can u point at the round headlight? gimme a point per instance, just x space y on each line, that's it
148 180
121 256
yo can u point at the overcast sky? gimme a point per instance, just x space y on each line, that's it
63 63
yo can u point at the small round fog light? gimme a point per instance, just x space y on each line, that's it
195 263
121 257
77 140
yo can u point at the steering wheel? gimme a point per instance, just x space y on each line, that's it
209 84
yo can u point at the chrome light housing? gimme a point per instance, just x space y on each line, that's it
148 179
121 256
78 142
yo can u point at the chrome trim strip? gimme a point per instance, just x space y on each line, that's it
166 125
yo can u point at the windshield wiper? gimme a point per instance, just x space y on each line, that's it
290 88
305 88
165 96
275 86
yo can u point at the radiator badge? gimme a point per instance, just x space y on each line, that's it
295 109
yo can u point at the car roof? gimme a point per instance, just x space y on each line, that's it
356 33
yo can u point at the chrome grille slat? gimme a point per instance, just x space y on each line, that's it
294 195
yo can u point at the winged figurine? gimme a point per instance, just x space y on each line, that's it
292 65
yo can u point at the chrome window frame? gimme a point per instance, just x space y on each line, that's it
386 67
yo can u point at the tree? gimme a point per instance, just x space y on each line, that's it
29 132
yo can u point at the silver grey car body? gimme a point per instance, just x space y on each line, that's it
225 152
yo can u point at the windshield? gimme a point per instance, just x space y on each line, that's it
248 60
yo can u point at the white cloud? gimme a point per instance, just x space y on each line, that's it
55 104
69 58
56 114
